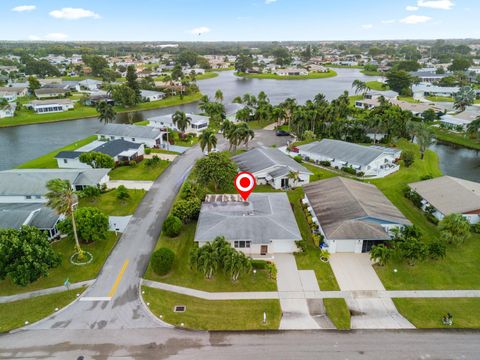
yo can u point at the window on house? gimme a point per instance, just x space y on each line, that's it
28 197
241 244
133 139
65 161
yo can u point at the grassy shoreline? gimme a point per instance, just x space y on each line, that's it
456 139
310 76
83 112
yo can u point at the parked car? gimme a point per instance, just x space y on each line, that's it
282 133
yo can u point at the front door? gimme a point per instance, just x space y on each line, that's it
284 183
263 249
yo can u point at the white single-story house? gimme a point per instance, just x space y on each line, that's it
29 185
428 76
121 151
317 68
198 123
8 110
149 95
291 72
273 167
10 96
90 84
351 215
50 92
263 225
372 161
447 195
150 137
50 106
426 89
460 120
231 110
14 90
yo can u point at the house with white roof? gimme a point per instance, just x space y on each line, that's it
149 95
8 110
273 167
90 84
50 106
461 120
291 72
262 226
370 161
197 124
426 89
150 137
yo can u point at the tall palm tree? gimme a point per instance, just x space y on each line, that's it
246 133
219 95
203 103
279 114
244 114
106 113
207 140
474 127
463 98
236 263
424 138
181 120
62 199
294 176
360 86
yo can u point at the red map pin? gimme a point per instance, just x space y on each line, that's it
245 183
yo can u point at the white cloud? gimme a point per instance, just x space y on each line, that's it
390 21
23 8
411 8
436 4
49 37
415 19
74 14
34 37
367 26
200 30
270 1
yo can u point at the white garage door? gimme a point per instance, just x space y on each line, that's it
345 246
283 246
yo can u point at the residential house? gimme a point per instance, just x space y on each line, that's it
262 226
7 110
231 110
197 124
90 84
368 160
351 215
122 152
149 95
428 76
447 195
50 93
150 137
424 89
273 167
50 106
371 101
318 68
16 91
460 121
291 72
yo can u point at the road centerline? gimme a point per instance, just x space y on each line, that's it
113 290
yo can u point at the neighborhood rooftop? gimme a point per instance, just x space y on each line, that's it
132 131
348 209
168 119
449 194
111 148
264 217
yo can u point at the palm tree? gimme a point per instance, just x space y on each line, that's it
424 138
463 98
381 254
360 86
244 114
203 103
181 120
246 134
106 113
62 199
236 263
474 127
234 134
279 114
294 176
219 95
208 140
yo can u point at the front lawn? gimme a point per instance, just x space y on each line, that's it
338 312
14 314
139 172
408 99
312 75
427 313
57 276
459 269
377 86
318 173
439 98
48 161
203 314
182 275
109 204
257 124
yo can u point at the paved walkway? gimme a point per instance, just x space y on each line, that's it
54 290
161 156
354 272
130 184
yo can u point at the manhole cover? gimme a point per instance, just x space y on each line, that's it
179 308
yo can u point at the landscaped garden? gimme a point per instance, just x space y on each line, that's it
203 314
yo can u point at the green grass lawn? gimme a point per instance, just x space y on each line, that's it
206 75
318 173
182 275
140 172
56 277
459 270
337 310
188 143
230 68
427 313
409 99
48 161
439 98
353 99
161 151
203 314
14 314
313 75
377 86
456 138
336 66
257 124
110 205
169 101
372 73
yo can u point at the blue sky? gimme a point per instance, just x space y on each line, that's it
237 20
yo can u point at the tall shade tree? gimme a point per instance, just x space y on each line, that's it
62 199
207 140
424 138
106 113
219 95
181 120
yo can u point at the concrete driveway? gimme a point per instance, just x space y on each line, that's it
354 272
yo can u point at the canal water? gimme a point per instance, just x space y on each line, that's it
23 143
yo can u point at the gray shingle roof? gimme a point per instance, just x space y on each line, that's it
265 217
449 195
13 216
347 209
22 182
343 151
263 158
49 90
167 119
68 154
132 131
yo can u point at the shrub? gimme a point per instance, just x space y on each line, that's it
413 197
426 177
172 226
360 173
272 270
148 151
162 261
408 157
316 239
90 192
301 245
122 193
437 249
325 163
259 264
92 224
349 170
187 210
298 159
309 219
154 161
476 228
